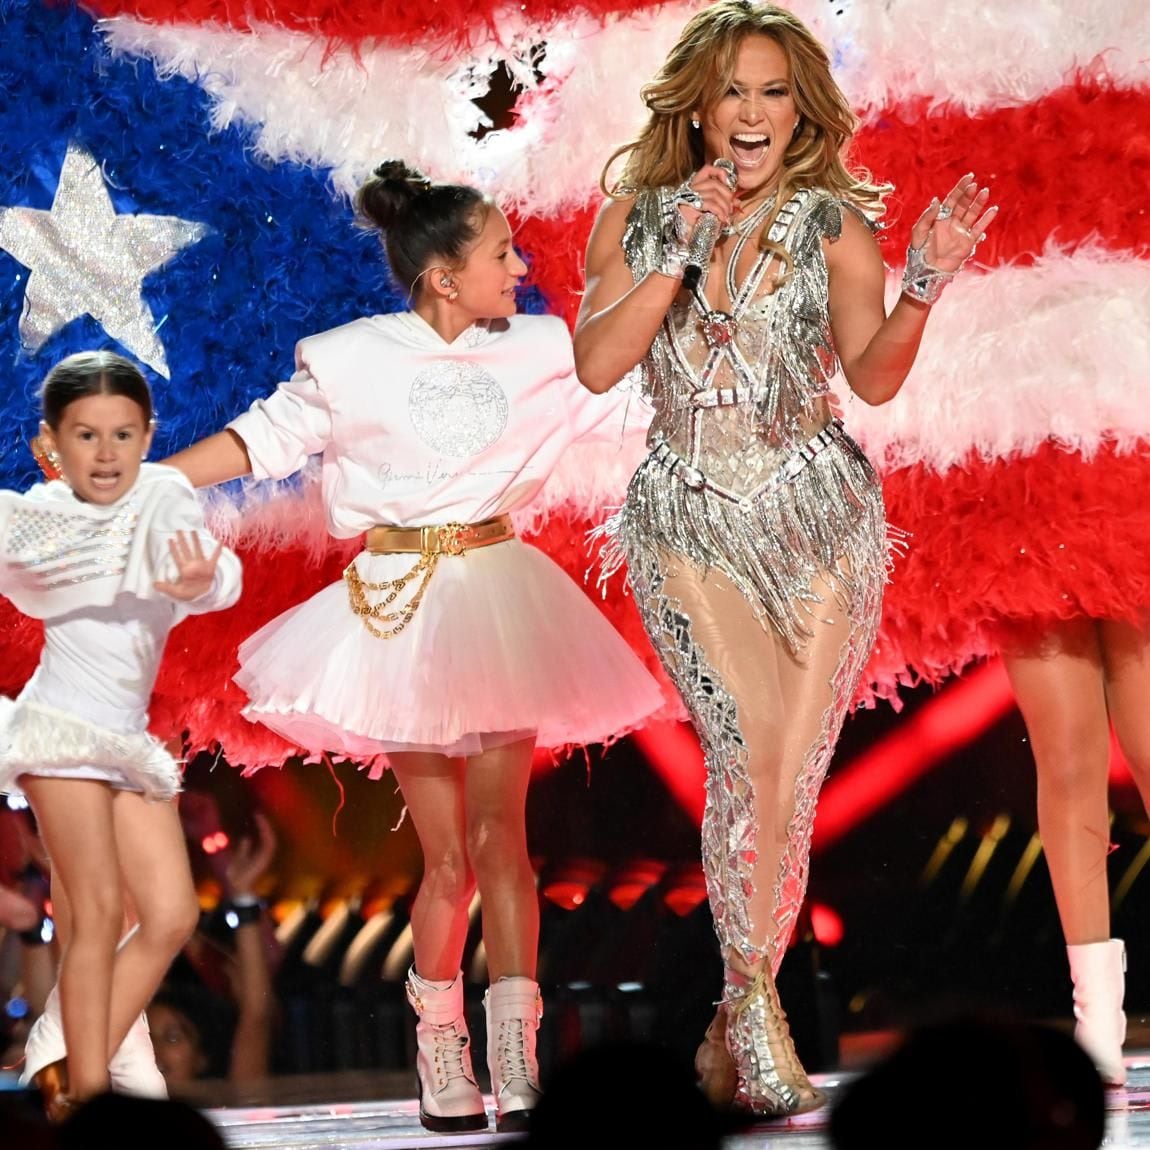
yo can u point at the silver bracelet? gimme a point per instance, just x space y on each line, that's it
683 196
922 282
674 258
687 196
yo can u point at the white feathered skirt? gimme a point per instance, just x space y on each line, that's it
503 645
39 739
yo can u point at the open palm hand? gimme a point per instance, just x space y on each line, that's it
947 233
195 571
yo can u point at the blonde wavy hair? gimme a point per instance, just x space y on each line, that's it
697 73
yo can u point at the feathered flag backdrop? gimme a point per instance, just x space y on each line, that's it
175 179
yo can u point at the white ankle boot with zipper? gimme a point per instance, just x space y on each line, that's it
1098 971
514 1007
449 1098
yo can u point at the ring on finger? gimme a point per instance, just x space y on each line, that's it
945 212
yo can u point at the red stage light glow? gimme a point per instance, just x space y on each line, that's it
1120 775
827 924
954 717
568 894
633 881
673 750
685 898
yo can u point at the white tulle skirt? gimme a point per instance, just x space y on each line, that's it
503 645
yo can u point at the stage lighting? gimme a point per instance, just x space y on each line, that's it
685 890
296 920
16 1008
568 884
363 945
633 880
986 849
328 943
477 970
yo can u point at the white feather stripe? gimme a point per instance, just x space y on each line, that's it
347 108
1056 350
977 56
591 479
334 108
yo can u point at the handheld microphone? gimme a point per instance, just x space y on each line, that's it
705 235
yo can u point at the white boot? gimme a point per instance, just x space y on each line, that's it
132 1069
45 1043
449 1098
514 1008
1098 972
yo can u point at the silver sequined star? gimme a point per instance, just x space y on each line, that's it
84 259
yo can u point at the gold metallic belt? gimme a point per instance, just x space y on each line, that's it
439 538
430 543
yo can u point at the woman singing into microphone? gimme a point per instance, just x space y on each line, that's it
754 530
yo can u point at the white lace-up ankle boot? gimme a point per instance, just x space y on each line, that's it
1098 970
514 1007
449 1098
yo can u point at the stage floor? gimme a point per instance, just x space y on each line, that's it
323 1114
392 1125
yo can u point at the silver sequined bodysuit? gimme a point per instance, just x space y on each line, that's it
748 473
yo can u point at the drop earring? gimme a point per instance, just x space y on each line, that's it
49 461
695 123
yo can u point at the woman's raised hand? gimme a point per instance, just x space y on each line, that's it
947 233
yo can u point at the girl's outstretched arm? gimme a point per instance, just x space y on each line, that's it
217 459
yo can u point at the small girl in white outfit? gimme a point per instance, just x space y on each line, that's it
111 556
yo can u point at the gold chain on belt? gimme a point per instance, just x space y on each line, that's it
375 615
433 542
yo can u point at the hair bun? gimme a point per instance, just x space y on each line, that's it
389 192
397 172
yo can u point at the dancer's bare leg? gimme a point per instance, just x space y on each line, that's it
433 789
1059 686
496 786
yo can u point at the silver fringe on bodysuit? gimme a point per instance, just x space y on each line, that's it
749 474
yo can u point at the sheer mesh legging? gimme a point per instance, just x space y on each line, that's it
768 720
